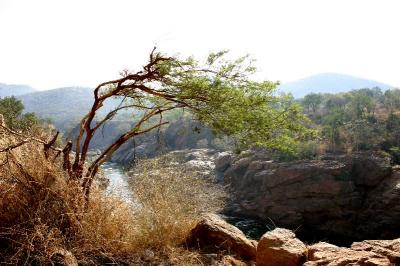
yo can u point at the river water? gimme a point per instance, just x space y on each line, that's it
119 186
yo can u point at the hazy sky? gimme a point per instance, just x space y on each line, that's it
54 43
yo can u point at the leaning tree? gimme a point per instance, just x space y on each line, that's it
218 92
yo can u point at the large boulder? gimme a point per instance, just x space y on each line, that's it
214 233
280 247
322 254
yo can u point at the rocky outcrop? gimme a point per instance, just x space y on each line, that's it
340 198
386 248
223 161
216 234
322 253
280 247
199 160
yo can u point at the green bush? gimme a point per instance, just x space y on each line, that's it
395 153
304 150
11 109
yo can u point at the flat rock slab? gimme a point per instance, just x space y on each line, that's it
387 248
322 254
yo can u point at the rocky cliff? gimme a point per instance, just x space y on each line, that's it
340 198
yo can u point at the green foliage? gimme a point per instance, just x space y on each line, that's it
393 122
312 101
332 122
392 99
309 150
361 104
364 134
222 95
395 153
11 108
364 119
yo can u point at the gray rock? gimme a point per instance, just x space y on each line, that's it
223 161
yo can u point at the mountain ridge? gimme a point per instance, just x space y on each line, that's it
329 82
14 89
66 105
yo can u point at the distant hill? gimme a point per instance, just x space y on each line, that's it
329 83
64 106
12 89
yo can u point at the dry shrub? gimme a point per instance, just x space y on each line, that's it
108 231
35 204
41 213
171 200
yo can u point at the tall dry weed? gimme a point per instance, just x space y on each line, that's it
171 200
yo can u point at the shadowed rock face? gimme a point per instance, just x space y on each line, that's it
339 198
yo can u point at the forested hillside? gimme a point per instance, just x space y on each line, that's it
364 119
63 106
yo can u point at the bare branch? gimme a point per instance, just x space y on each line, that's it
15 133
13 146
49 144
67 163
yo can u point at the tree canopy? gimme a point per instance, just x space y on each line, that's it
11 109
364 119
218 92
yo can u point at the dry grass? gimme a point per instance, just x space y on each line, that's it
171 200
41 213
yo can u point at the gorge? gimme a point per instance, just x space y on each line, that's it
339 199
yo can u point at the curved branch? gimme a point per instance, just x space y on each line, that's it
15 133
13 146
